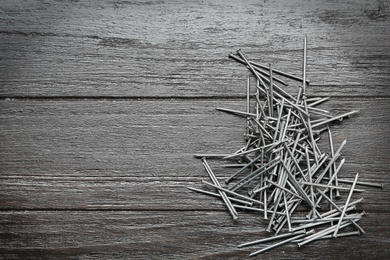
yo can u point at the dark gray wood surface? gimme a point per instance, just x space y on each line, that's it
103 104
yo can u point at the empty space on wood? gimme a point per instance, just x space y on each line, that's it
165 48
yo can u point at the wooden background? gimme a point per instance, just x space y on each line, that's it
104 103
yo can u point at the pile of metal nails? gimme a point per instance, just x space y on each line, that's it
282 172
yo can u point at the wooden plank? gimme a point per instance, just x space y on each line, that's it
162 234
124 155
139 136
147 193
134 49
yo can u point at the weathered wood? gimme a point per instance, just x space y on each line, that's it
167 235
137 137
95 157
123 155
131 49
146 193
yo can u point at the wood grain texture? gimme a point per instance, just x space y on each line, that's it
167 235
104 103
176 48
123 155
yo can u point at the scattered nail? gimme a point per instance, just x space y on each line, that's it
282 167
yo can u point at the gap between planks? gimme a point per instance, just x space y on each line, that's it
168 98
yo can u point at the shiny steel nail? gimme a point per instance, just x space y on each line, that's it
243 168
330 186
268 239
352 233
256 173
346 203
340 210
281 243
257 68
232 193
256 209
225 199
271 93
219 196
335 118
288 75
287 213
363 183
321 234
236 112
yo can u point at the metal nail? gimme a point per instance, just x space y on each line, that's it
258 69
335 118
287 213
273 213
333 169
225 199
346 203
236 112
340 210
268 239
271 93
256 173
364 183
239 52
288 75
281 243
321 234
352 233
319 101
329 186
232 193
210 155
351 206
219 196
304 66
243 168
284 189
256 209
